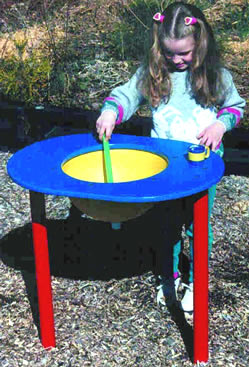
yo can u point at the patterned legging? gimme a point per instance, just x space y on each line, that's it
189 231
178 246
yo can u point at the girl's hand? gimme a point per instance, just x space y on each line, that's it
105 124
212 135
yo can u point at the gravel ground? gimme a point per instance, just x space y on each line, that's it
105 296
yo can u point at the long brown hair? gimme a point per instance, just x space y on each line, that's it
205 69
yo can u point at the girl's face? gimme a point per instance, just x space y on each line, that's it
179 51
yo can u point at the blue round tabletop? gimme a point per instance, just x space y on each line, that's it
38 167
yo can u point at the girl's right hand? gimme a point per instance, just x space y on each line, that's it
105 124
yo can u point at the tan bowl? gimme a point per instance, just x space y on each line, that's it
109 211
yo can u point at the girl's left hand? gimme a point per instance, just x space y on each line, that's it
212 135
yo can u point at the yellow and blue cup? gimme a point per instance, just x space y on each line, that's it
197 153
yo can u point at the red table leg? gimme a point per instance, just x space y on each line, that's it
201 279
43 279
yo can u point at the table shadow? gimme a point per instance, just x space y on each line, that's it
80 248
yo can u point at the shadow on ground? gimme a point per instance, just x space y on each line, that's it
80 248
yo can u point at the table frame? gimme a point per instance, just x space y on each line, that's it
43 278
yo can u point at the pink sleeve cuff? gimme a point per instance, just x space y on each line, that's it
231 110
120 109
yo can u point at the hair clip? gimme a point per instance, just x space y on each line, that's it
190 20
158 17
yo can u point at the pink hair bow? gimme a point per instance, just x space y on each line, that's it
158 17
190 20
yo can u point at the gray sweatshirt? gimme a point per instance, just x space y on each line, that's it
181 118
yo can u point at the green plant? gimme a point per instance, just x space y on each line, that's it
131 29
25 79
234 20
34 73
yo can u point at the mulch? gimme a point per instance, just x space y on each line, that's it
104 287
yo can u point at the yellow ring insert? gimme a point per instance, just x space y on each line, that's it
127 165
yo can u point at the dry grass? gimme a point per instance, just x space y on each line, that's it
35 38
94 20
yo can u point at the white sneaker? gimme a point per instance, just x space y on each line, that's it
187 303
167 290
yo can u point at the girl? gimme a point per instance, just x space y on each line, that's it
191 96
